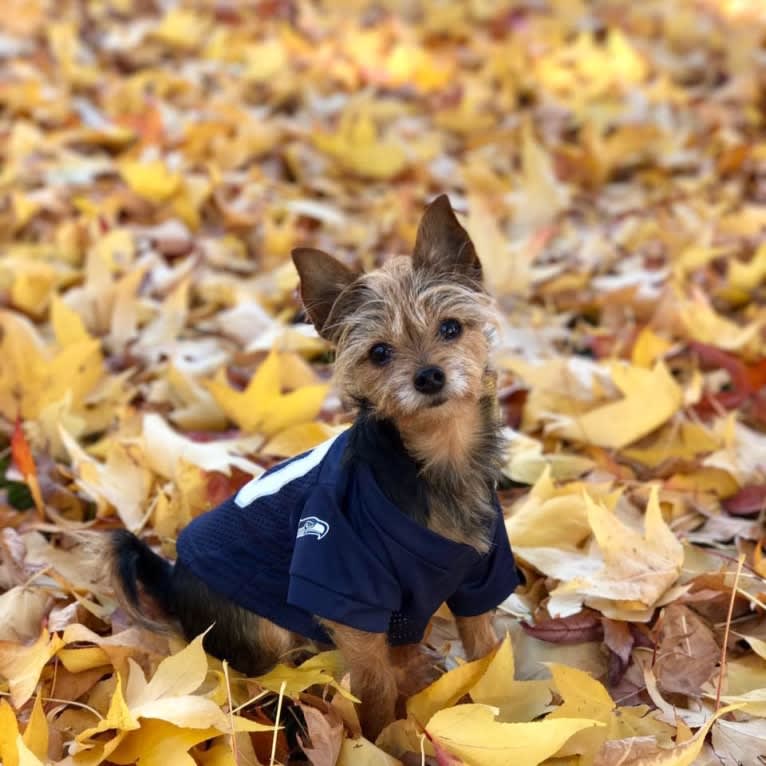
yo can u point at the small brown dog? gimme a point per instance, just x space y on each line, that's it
357 542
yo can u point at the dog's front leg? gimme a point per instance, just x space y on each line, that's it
373 677
477 634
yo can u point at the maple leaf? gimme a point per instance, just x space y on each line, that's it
262 407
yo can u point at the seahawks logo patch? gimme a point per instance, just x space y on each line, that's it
311 525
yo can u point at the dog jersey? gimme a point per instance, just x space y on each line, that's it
317 536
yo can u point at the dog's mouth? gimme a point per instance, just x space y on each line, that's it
437 401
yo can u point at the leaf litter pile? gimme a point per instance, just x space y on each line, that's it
158 161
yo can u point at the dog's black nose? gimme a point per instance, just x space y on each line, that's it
429 380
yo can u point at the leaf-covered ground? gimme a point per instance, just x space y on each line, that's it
158 161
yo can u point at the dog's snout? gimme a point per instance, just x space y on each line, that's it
430 380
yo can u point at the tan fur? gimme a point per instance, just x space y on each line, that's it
477 634
373 675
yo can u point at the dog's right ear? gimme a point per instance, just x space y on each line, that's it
323 279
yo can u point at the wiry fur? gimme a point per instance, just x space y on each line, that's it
447 445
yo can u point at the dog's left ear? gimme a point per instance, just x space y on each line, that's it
443 245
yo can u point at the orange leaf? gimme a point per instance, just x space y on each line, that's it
22 458
22 455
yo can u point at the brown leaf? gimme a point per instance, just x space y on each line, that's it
687 654
325 735
618 637
627 752
583 626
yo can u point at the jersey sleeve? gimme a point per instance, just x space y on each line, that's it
334 574
491 581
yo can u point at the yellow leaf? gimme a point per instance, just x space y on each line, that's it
24 208
503 272
195 409
64 41
295 407
556 516
620 423
262 407
686 441
265 60
747 276
471 733
9 732
122 482
702 323
715 480
648 348
527 463
543 196
637 568
117 717
150 180
21 665
180 28
447 689
323 669
516 700
411 64
159 743
76 368
116 249
26 756
67 324
584 697
181 673
361 752
77 660
31 378
297 439
357 148
31 288
172 455
36 733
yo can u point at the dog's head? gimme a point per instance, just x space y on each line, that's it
412 336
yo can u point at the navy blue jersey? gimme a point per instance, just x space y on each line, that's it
316 536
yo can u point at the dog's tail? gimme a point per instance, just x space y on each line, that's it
133 562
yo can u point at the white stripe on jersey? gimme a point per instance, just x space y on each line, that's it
273 482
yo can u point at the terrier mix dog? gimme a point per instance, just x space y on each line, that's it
357 542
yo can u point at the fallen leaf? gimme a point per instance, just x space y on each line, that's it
621 423
636 568
325 735
322 669
262 407
21 665
739 742
361 752
687 654
515 700
447 689
588 699
471 733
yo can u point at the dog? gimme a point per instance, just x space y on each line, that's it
357 542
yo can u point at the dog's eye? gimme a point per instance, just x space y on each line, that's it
450 329
380 354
